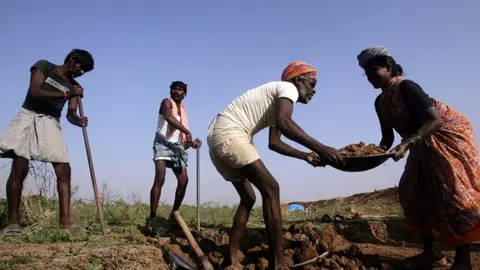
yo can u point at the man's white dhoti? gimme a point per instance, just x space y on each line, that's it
34 137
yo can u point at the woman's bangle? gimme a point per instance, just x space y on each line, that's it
416 139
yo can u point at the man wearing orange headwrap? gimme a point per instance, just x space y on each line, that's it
236 159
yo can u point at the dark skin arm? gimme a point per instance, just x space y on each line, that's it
432 123
388 137
166 110
36 90
72 115
276 144
292 131
37 79
424 114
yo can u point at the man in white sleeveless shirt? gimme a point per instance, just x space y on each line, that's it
172 139
236 159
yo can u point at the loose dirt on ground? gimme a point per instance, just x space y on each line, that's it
345 227
353 244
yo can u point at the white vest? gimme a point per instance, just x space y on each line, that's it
163 126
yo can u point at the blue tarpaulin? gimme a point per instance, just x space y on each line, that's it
295 207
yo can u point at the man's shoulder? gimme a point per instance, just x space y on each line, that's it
277 84
43 65
45 62
166 102
274 87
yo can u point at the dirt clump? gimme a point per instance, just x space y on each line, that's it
357 216
302 242
326 218
361 149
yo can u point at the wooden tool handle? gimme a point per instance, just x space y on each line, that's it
98 199
204 260
325 254
189 235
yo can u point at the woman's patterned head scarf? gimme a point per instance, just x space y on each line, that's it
370 53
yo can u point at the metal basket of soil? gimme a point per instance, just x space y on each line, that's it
361 157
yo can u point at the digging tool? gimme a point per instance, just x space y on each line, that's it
180 261
176 258
203 259
325 254
92 171
198 189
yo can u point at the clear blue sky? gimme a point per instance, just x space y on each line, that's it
221 49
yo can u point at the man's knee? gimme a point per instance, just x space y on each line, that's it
19 168
271 188
183 182
159 180
261 178
182 177
63 172
247 194
249 201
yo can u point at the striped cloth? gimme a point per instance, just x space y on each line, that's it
183 120
174 154
297 68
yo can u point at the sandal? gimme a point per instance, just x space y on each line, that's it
148 224
76 228
12 230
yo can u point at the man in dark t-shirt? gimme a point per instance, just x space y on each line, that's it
35 133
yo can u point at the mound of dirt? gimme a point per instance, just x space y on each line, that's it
387 198
302 242
361 149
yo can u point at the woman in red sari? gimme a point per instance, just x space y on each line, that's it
440 188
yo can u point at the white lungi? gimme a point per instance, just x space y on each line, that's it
34 137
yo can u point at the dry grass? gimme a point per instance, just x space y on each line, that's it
39 212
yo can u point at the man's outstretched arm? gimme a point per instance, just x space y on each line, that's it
292 131
276 144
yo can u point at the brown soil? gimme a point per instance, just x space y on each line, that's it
357 244
353 242
352 245
361 149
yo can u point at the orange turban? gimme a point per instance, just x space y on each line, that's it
297 68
